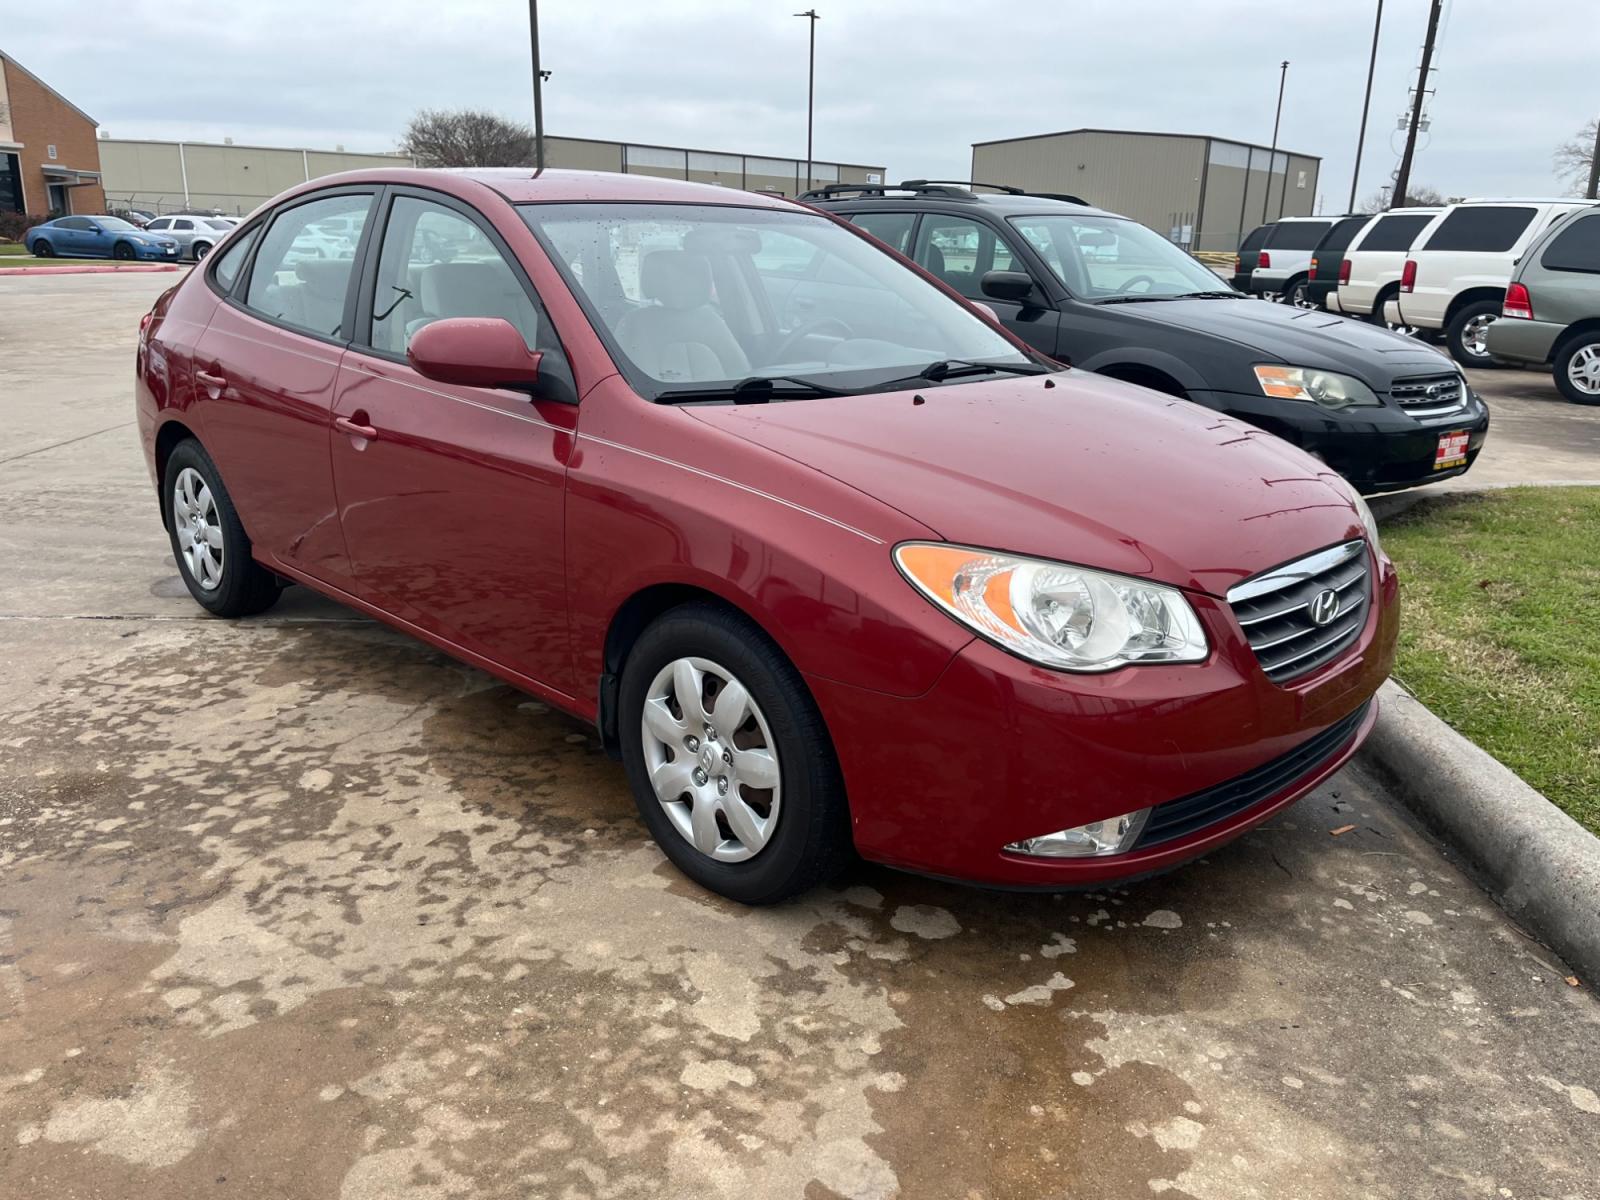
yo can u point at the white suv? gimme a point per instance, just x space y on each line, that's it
1456 276
1285 258
1369 277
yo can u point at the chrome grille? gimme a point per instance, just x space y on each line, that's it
1429 395
1288 620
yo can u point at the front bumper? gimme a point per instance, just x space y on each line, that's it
998 751
1524 341
1377 449
156 253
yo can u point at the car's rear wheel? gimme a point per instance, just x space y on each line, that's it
201 249
122 250
1577 369
730 763
1298 295
43 249
1467 335
208 540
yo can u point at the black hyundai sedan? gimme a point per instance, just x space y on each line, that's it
1110 295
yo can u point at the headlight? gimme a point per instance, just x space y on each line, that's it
1368 521
1319 387
1054 614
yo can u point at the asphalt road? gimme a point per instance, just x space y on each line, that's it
296 907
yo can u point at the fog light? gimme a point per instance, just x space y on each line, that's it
1111 836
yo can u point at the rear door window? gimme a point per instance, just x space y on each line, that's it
1575 248
1342 234
1485 228
1297 235
1395 232
891 227
960 251
1253 239
301 277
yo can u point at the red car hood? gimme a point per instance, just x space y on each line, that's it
1089 471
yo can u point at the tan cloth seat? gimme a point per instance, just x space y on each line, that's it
680 338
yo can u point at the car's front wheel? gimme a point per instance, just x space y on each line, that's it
729 761
208 539
1577 369
1467 335
43 249
122 250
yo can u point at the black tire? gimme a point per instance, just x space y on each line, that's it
245 586
1466 324
201 249
43 249
122 250
812 838
1586 345
1295 294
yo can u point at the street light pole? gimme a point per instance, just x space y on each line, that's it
811 88
1594 166
1266 195
1361 138
538 87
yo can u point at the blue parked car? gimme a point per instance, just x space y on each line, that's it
97 237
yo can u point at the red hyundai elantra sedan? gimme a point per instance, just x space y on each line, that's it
829 558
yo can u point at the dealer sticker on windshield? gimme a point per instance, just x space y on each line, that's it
1452 451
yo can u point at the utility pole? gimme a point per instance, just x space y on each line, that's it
1266 195
811 89
1594 166
1361 138
538 87
1403 178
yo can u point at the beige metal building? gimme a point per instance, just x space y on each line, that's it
163 176
1203 192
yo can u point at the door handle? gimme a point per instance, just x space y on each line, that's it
346 425
211 380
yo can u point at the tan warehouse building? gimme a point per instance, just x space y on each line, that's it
163 176
1203 192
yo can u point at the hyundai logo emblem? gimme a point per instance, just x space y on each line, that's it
1433 390
1324 606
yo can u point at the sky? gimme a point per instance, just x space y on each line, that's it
908 85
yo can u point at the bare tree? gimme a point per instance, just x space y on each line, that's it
1572 159
1416 197
466 138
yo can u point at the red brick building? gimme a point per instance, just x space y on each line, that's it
49 158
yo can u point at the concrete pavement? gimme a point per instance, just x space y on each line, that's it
297 907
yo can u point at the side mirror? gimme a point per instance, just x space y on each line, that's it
474 352
1016 286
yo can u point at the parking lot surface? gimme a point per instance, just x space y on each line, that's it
297 907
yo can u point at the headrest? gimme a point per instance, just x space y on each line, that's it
325 277
676 278
466 289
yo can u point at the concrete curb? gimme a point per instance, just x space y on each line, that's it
92 269
1539 864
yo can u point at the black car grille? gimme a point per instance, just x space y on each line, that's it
1291 623
1178 818
1429 395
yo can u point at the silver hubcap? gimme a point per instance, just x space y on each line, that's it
1475 334
711 759
1300 299
1584 370
194 517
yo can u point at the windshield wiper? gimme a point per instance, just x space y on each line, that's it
1211 296
1134 298
757 389
955 368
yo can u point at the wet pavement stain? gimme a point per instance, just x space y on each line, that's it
343 918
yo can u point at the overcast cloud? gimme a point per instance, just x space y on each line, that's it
908 85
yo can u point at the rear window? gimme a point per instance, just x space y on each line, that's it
1396 231
1575 248
1297 235
1481 227
1342 234
1253 239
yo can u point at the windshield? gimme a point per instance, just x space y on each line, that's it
1101 257
700 298
114 223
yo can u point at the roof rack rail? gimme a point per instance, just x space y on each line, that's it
918 185
1067 196
954 189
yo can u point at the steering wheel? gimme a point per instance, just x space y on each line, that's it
1134 283
796 336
